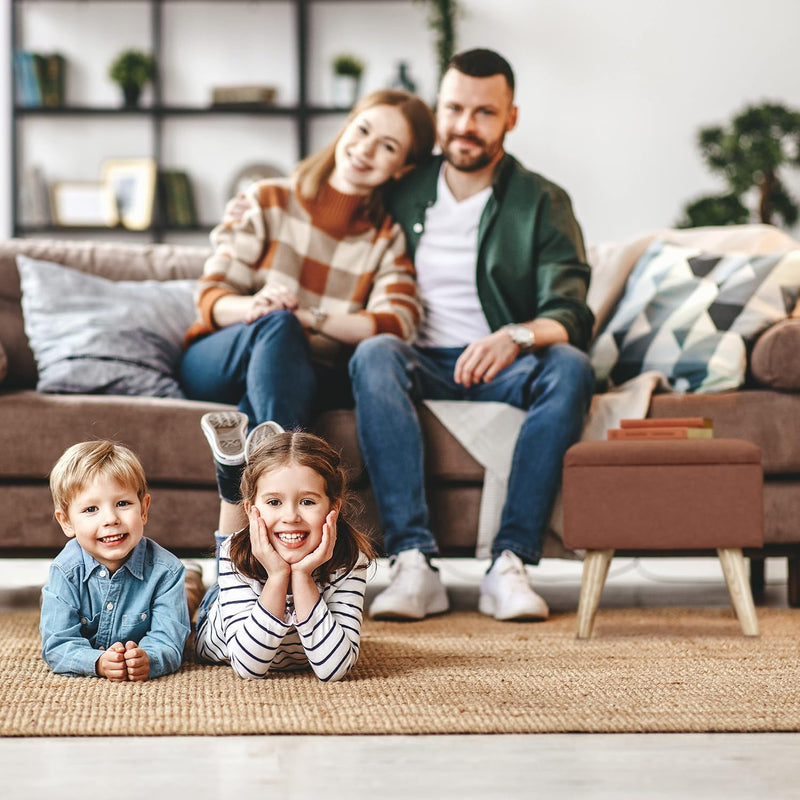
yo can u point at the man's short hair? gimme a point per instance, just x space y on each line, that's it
482 63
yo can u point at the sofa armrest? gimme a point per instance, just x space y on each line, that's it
774 361
3 363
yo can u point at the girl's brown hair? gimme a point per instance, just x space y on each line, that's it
306 450
312 172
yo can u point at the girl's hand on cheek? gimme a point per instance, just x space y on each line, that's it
324 550
262 548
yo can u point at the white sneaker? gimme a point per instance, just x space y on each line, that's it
507 594
259 434
226 432
415 590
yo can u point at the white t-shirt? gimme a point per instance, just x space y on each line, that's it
445 262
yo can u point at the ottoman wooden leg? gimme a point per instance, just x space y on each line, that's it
739 588
595 570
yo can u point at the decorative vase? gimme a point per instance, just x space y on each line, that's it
345 90
131 94
402 80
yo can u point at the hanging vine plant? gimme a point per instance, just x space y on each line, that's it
442 18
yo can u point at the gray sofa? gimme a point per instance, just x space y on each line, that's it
36 427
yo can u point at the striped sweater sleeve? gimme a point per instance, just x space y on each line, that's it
332 633
394 302
252 635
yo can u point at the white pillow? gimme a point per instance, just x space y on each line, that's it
92 335
691 315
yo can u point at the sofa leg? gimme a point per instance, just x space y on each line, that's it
595 571
758 581
793 583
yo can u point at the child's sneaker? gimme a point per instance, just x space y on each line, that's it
226 432
259 434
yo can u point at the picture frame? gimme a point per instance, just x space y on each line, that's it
132 182
83 204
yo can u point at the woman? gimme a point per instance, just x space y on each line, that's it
303 269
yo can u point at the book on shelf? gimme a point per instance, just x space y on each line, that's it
653 433
39 78
668 422
176 199
243 95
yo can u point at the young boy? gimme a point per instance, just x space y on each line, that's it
114 605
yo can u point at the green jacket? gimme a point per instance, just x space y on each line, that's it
531 259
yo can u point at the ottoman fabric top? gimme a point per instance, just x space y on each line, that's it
662 452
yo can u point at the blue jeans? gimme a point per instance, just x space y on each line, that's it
554 386
265 368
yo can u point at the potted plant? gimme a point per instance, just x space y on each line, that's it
442 19
132 70
750 154
347 71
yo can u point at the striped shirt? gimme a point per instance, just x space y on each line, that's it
323 250
239 631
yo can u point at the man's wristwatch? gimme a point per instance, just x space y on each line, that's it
522 336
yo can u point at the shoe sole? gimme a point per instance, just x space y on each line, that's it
260 434
226 432
434 610
486 606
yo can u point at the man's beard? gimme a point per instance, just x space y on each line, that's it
467 163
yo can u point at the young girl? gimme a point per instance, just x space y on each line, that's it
291 586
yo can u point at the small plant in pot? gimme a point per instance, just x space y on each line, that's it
347 71
132 70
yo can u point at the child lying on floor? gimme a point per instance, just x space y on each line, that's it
114 605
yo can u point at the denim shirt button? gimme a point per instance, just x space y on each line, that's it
102 573
143 616
110 606
83 620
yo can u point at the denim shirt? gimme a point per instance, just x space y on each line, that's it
85 610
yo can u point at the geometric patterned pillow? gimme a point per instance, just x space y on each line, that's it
691 315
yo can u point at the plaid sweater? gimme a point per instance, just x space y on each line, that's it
324 250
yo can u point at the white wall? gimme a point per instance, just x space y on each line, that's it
611 92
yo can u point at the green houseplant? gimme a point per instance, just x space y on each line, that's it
347 71
132 70
749 153
442 16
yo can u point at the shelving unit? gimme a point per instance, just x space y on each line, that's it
300 112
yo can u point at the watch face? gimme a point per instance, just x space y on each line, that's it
521 335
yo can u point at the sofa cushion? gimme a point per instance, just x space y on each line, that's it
93 335
689 314
774 361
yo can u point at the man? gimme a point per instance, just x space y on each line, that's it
500 264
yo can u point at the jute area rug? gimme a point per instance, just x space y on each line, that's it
644 670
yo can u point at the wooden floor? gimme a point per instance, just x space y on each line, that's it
728 766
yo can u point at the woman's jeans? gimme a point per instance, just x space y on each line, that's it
389 378
264 368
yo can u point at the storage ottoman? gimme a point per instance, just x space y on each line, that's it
672 494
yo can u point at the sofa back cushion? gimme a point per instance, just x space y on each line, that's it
116 261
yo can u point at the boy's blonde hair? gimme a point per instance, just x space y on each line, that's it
83 462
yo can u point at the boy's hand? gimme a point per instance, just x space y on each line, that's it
136 662
111 664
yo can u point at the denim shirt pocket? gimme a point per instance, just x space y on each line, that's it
134 626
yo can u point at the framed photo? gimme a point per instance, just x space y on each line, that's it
133 185
83 203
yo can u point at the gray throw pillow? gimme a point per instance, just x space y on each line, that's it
92 335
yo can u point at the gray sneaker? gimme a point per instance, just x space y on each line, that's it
506 593
226 432
415 590
259 434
